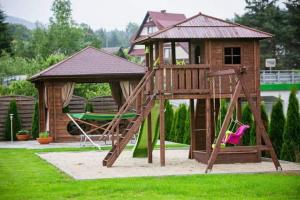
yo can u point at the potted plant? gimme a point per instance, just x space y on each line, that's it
23 135
43 138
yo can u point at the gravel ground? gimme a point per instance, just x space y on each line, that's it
88 165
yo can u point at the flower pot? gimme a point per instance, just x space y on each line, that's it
51 139
22 137
43 140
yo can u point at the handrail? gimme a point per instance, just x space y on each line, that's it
126 105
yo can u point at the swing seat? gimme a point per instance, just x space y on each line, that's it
234 138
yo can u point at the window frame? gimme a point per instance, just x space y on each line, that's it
232 55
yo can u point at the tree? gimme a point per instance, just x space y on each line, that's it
169 116
291 136
89 107
16 121
247 119
277 123
35 127
221 117
187 128
265 120
179 126
5 36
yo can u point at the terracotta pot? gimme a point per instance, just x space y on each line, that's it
22 137
51 139
43 140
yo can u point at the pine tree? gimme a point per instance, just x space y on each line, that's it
291 136
5 35
169 116
172 135
277 126
89 107
179 126
35 122
264 118
222 114
16 121
247 119
187 130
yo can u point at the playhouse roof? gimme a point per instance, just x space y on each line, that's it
203 26
91 62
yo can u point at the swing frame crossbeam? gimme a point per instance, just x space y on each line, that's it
239 87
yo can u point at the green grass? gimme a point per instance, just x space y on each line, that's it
23 175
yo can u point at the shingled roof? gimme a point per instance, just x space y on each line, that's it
91 62
203 26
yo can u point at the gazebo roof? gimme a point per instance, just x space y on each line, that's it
91 63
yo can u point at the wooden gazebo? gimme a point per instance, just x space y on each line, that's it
90 65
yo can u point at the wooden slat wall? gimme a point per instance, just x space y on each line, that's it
77 104
25 109
105 104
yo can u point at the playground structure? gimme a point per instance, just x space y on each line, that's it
223 64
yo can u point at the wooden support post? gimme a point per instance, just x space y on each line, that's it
260 124
42 109
225 124
162 107
192 132
173 47
258 131
208 126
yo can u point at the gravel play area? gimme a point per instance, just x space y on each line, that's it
88 165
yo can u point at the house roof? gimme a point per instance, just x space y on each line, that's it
91 62
161 20
203 26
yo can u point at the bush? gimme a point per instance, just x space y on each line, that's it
187 130
179 127
277 126
169 117
265 120
35 126
291 134
247 119
16 121
44 134
222 114
89 107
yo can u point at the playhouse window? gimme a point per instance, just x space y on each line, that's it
232 55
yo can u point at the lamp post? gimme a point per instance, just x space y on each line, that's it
11 127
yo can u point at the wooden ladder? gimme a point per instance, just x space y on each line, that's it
147 102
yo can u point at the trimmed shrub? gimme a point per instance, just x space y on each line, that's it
187 131
89 107
265 119
16 121
169 116
174 123
247 119
276 129
291 134
179 127
35 126
222 114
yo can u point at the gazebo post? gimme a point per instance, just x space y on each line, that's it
41 102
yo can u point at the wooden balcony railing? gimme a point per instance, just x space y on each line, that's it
182 79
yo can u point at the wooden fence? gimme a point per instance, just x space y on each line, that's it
25 104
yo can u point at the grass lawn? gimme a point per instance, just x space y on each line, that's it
23 175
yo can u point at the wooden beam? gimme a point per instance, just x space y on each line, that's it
225 124
162 108
258 119
173 51
192 125
208 125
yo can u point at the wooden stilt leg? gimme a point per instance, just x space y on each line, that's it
262 129
162 132
149 130
225 124
208 126
192 127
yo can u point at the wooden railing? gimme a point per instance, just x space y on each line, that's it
182 79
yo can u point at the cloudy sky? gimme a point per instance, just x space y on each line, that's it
112 14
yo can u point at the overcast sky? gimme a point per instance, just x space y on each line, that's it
112 14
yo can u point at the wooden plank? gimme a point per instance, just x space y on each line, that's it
162 113
208 125
149 139
192 125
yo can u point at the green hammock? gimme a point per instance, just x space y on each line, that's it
100 116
